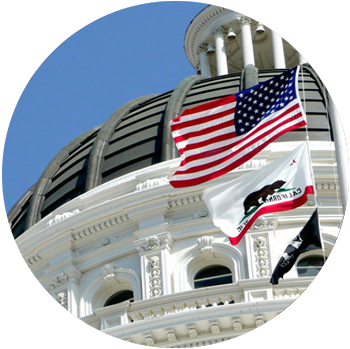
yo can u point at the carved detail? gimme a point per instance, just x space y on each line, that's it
151 183
109 272
152 243
206 245
265 223
35 258
170 335
155 281
259 320
187 200
236 324
60 279
149 341
62 217
192 333
62 299
119 219
245 20
261 256
214 327
218 30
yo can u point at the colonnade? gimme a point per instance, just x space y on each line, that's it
219 34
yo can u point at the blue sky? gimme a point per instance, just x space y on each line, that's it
130 53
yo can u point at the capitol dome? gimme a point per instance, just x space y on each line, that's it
121 249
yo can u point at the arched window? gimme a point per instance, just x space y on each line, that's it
212 276
119 297
310 266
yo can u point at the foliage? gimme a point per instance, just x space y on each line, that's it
56 328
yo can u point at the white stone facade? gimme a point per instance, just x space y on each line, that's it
138 233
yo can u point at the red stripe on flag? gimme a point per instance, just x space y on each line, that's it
202 120
284 206
238 162
205 131
203 155
206 106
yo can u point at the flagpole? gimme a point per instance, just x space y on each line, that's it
310 164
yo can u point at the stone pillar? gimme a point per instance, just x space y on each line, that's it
204 60
247 42
155 258
220 51
278 51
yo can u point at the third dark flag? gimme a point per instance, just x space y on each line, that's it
308 239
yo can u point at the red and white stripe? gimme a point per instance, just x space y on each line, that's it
209 146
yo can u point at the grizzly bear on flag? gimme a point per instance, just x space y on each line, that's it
257 198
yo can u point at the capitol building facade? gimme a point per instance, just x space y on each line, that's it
121 249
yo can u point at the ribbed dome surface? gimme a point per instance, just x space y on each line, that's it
137 136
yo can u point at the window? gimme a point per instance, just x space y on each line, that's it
120 297
212 276
310 266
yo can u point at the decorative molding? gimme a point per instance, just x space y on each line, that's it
259 320
148 339
60 279
192 332
202 48
326 186
265 223
62 217
104 242
170 335
214 327
205 243
155 281
151 183
62 298
218 30
118 219
236 323
203 214
245 20
287 292
109 272
154 243
35 258
185 200
261 256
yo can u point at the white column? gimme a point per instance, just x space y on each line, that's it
204 60
220 52
340 152
278 51
247 42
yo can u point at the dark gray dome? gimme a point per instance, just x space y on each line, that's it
137 136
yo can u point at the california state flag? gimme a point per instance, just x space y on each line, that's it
279 186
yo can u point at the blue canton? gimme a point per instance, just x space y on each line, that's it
260 101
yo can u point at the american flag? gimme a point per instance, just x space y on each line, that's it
216 137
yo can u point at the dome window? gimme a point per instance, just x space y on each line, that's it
119 297
310 266
213 276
